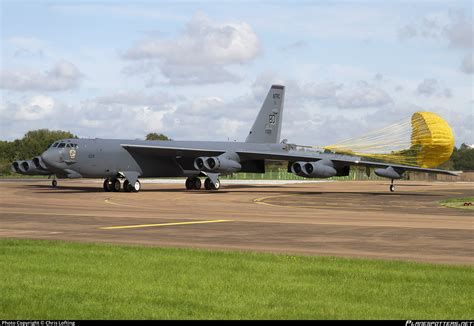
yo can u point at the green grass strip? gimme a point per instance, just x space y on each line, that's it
61 280
459 203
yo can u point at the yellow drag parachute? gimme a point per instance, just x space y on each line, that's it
424 140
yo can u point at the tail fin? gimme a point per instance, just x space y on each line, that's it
267 126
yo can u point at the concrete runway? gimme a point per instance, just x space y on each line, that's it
350 219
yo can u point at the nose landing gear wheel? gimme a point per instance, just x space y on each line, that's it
54 183
392 188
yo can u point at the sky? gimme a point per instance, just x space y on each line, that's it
200 70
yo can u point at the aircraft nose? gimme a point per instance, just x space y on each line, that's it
49 158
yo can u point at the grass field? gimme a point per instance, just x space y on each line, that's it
459 203
59 280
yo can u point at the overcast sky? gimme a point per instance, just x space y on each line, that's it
199 70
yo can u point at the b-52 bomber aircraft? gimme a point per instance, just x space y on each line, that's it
128 160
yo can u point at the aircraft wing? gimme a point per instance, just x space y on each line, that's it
170 151
291 155
338 158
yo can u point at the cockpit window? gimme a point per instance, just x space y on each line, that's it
68 145
55 144
61 145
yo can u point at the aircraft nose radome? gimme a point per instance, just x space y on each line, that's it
48 158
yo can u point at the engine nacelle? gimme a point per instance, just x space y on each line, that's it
318 169
199 163
390 173
25 166
28 167
297 168
224 163
39 164
15 167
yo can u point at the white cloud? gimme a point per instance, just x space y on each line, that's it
456 28
38 107
201 54
63 76
28 46
361 96
181 75
134 98
467 64
460 32
327 93
427 87
297 45
203 42
430 86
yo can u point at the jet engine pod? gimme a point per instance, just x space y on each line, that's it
297 168
389 172
25 166
39 164
212 163
15 167
319 169
222 164
28 167
199 163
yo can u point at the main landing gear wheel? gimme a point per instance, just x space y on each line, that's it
392 187
54 183
115 185
126 186
193 183
107 185
136 187
208 185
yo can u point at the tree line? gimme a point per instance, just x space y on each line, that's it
36 142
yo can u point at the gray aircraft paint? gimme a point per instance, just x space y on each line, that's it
131 159
267 126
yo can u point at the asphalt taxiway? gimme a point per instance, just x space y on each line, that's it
350 219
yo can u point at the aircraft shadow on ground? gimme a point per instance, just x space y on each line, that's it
69 189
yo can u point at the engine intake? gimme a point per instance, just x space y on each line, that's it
199 163
15 167
39 164
29 168
318 169
225 163
25 166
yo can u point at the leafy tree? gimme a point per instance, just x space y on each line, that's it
32 144
155 136
463 158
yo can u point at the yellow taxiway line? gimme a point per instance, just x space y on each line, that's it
162 224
